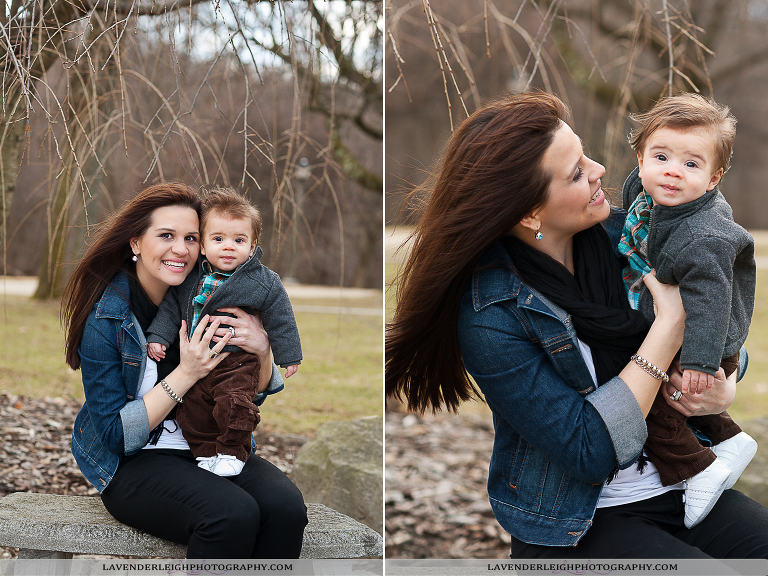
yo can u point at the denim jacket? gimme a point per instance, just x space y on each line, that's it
113 355
557 437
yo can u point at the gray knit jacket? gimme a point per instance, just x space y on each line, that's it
253 287
698 246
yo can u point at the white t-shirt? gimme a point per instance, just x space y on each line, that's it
629 485
171 436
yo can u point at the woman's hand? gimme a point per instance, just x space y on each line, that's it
660 345
249 333
667 303
712 401
197 358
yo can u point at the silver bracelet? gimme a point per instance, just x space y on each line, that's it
175 397
654 371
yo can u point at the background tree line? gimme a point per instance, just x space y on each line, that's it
281 100
605 58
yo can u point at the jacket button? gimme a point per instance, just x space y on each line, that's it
529 299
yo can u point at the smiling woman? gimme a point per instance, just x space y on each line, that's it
126 439
513 279
575 202
166 252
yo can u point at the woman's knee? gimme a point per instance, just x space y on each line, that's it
243 511
296 511
232 519
289 510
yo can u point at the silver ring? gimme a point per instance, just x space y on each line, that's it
231 331
676 395
213 354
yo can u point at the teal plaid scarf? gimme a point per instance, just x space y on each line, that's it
212 280
634 245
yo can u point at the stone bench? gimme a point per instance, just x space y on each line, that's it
55 527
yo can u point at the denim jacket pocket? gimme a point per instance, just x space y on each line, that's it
89 440
96 463
539 483
517 464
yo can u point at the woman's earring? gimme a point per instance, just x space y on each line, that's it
135 258
538 235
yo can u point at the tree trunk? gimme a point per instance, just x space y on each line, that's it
11 138
366 243
51 265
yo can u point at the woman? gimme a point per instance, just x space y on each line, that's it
513 279
125 440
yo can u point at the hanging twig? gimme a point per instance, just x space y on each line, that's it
398 61
485 25
700 48
553 7
669 45
442 58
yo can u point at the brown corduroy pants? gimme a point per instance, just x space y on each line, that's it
218 415
673 447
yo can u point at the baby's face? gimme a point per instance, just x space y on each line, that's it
677 166
227 242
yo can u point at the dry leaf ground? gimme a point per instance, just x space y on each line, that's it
436 501
35 451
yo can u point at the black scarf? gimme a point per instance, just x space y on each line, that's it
594 296
145 310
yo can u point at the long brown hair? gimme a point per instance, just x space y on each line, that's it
489 178
108 252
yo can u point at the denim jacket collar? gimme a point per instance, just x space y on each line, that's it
115 302
115 305
495 280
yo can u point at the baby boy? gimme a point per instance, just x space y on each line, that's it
218 416
681 225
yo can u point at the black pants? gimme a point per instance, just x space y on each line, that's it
736 528
258 514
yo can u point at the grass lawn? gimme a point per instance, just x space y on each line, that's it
340 378
752 392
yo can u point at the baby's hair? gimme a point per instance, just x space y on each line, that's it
228 202
685 112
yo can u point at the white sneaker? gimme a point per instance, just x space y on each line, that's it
206 463
737 453
703 490
227 465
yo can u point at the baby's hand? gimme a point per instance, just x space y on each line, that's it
696 382
156 351
291 370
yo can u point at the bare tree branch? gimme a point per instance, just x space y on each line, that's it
173 87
